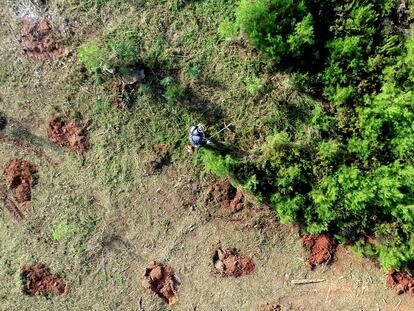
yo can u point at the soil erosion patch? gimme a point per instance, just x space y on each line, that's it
20 178
66 133
225 198
38 40
321 249
37 280
230 263
401 281
160 280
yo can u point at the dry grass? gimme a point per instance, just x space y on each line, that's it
120 220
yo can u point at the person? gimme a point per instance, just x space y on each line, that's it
197 136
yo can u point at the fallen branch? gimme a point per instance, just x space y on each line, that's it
306 281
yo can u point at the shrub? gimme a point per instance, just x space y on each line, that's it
216 164
118 49
354 174
281 28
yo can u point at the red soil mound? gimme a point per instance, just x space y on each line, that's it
321 248
38 40
68 134
160 280
401 281
19 175
223 195
230 263
37 280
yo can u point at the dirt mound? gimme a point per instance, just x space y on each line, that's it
191 149
223 195
38 40
270 307
160 280
224 202
37 280
401 281
321 248
229 262
66 133
20 176
160 158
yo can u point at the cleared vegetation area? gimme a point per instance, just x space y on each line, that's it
311 108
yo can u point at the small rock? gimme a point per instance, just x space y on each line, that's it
156 273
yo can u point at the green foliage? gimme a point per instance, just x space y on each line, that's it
173 91
193 72
227 29
118 49
360 46
350 169
254 85
281 28
216 164
63 230
287 209
363 249
251 184
90 56
328 150
123 45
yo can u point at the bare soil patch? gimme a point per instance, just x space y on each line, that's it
159 159
225 202
68 134
230 262
37 280
321 249
160 280
270 307
225 199
21 177
401 281
38 40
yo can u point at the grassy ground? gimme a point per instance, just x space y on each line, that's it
97 221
